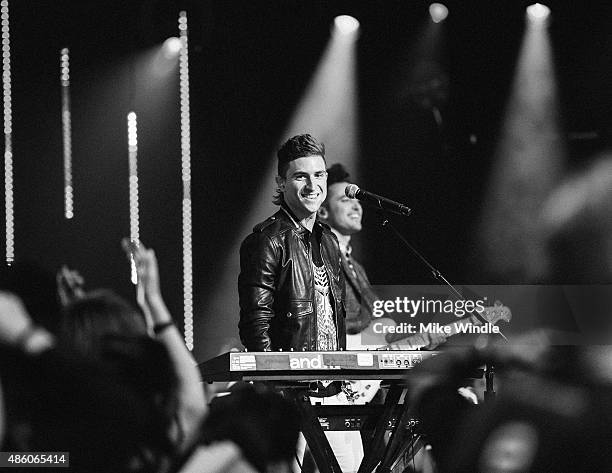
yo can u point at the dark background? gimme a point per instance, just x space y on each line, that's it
249 64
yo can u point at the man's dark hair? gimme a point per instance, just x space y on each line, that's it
299 146
337 173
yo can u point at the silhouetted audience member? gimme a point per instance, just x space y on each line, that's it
262 423
88 322
553 410
106 329
57 400
547 416
189 394
116 387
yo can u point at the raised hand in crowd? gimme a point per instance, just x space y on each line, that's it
190 394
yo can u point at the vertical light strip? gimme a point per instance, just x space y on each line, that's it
133 161
66 132
8 133
186 176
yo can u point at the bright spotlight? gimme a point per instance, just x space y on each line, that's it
346 24
538 13
172 47
438 12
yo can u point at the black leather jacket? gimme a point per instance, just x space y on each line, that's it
276 287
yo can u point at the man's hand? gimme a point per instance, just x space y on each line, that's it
435 340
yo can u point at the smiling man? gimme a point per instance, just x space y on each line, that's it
291 285
343 215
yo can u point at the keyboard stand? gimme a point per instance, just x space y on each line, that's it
403 442
375 447
313 433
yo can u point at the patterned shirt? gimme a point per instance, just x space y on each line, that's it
327 339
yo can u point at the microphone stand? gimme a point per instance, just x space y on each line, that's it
489 393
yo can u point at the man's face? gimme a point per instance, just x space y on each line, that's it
304 186
341 213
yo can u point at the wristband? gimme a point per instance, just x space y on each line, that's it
158 328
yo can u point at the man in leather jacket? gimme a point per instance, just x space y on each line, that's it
291 285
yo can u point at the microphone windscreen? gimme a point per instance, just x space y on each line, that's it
351 191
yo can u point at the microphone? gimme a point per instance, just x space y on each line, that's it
354 192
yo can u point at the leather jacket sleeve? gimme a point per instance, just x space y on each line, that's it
259 266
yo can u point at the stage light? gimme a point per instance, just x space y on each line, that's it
538 13
530 155
132 128
346 24
438 12
186 178
172 47
66 132
8 134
